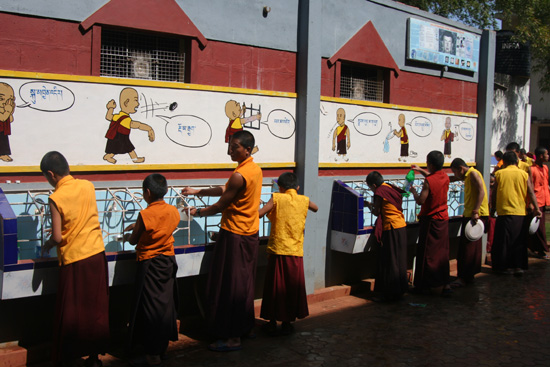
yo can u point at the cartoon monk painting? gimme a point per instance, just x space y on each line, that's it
448 137
235 113
118 135
7 106
403 137
341 137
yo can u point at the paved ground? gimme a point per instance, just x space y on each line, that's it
501 320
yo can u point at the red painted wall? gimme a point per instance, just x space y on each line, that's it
231 65
418 90
44 45
53 46
433 92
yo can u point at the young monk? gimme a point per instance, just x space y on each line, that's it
432 251
539 175
154 319
390 230
284 297
81 324
476 207
508 199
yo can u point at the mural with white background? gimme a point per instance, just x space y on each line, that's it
165 125
175 124
356 134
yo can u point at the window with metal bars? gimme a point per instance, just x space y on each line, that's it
364 83
142 56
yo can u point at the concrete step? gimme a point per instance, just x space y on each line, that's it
12 355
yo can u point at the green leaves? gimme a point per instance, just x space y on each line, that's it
479 14
530 19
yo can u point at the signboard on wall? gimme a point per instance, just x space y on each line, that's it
109 124
442 45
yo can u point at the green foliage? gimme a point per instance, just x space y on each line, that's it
530 19
476 13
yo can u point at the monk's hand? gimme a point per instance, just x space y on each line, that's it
189 191
10 105
46 247
151 134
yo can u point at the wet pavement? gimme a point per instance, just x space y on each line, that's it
500 320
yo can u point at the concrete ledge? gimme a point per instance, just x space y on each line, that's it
328 293
13 356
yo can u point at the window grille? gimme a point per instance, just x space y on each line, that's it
357 82
142 56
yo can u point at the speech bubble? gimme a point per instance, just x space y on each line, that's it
421 126
466 130
46 96
367 123
187 130
281 124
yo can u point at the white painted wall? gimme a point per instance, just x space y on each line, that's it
511 112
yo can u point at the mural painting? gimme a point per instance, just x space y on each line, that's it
182 124
121 124
403 139
7 106
341 137
373 126
448 137
171 123
237 120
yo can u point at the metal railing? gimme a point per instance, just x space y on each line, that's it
455 199
118 207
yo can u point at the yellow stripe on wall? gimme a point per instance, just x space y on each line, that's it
139 82
396 107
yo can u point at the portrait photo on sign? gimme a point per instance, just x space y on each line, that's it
447 42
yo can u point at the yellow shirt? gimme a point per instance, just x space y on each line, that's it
392 218
126 122
80 231
523 166
241 216
288 220
339 129
511 191
470 195
236 124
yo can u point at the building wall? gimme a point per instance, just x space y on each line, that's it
244 66
540 114
420 90
511 112
44 45
246 49
539 100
